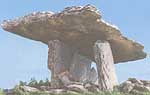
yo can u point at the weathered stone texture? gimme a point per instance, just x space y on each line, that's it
59 59
92 76
105 66
68 66
79 27
80 67
135 86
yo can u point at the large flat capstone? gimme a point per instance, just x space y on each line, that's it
79 27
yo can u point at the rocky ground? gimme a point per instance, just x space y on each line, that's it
132 86
135 86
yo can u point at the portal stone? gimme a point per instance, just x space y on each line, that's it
59 59
80 67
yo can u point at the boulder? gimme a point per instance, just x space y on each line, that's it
28 89
141 88
135 86
91 87
126 87
135 81
145 83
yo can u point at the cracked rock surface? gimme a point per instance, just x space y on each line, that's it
76 26
135 86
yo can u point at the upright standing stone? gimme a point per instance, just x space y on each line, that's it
105 66
59 59
92 76
80 68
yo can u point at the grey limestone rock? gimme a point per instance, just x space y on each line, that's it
79 27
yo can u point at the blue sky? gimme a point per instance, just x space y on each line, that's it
22 59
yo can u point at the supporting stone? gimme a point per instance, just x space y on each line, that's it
92 76
80 68
105 65
59 59
68 66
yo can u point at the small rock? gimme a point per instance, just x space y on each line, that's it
91 87
135 81
135 86
28 89
44 88
76 88
126 87
146 83
142 88
56 91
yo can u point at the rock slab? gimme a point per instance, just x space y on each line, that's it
79 27
107 78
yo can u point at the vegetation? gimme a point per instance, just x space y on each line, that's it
44 93
19 92
34 83
1 92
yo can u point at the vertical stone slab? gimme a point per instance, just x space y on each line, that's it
80 68
92 76
105 65
59 59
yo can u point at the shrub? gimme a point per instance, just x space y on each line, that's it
147 93
21 83
33 83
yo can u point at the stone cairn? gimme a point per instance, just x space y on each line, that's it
76 37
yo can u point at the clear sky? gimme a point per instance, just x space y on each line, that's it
22 59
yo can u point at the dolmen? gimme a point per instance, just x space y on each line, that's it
76 37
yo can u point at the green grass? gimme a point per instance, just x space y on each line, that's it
115 93
35 83
1 92
43 93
